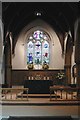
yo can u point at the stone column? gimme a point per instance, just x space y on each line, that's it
77 53
1 43
77 50
68 73
68 54
8 66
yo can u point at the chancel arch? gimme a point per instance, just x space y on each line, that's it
56 61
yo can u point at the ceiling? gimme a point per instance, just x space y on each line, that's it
61 16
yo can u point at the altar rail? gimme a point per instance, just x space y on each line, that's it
67 89
7 94
12 93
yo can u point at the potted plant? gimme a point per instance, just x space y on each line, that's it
30 66
60 76
45 66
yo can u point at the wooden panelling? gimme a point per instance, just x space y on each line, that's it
18 76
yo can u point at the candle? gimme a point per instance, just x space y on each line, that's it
32 78
47 78
29 77
44 78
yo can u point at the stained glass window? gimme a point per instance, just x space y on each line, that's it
38 48
45 52
30 52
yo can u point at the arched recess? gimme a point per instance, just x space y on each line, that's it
55 45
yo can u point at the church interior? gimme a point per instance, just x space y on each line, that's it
39 60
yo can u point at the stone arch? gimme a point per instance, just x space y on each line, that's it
40 24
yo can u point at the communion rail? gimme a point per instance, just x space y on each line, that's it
12 93
68 91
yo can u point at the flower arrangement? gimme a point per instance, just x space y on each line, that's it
60 75
30 66
45 66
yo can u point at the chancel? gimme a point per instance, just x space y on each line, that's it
40 59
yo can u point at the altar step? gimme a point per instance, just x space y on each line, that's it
40 118
39 96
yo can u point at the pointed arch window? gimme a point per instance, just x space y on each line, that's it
38 48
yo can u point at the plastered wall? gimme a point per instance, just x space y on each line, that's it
56 59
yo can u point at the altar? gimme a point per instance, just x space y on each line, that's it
38 86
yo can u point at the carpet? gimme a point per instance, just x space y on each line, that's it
41 118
